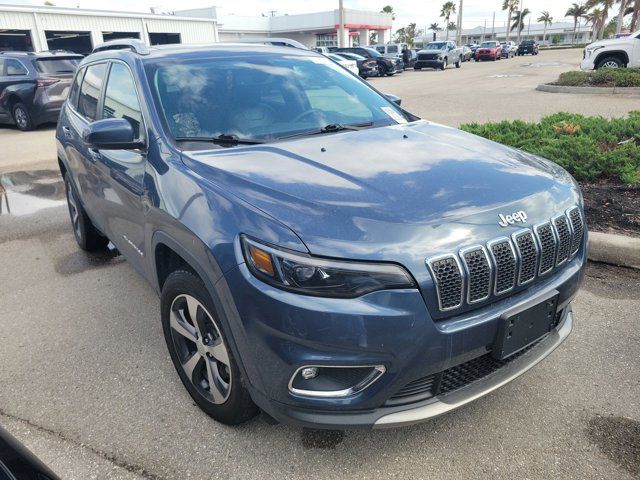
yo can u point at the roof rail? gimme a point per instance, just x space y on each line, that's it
133 44
278 41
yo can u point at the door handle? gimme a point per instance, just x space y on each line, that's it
67 132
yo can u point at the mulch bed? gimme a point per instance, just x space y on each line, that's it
612 208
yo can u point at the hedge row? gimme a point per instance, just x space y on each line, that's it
603 77
590 148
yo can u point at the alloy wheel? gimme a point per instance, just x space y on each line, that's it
21 118
610 64
200 348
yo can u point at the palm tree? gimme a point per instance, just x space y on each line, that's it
448 9
518 21
509 6
635 13
434 27
606 6
577 11
546 18
623 7
596 19
389 9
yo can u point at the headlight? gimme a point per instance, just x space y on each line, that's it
321 277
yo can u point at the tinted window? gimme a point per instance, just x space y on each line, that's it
90 91
14 67
75 89
263 97
120 99
57 65
391 49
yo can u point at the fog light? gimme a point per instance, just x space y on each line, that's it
309 373
333 380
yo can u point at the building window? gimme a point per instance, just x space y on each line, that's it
164 38
324 40
106 36
77 42
16 40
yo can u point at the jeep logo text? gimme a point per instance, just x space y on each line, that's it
507 220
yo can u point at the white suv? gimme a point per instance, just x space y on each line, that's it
614 53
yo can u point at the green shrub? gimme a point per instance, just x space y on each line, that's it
590 148
603 77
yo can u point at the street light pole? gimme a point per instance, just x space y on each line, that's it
519 21
341 24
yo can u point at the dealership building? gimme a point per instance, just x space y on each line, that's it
32 28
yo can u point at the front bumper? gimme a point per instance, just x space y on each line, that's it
428 64
277 332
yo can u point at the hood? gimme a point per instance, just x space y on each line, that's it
398 193
431 50
612 41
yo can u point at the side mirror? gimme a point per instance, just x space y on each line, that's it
393 98
110 134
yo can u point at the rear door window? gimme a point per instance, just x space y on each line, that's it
91 90
14 67
121 100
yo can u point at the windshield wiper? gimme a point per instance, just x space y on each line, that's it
226 140
330 128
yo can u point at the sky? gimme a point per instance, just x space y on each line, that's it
423 13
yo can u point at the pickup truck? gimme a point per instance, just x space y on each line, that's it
613 53
439 55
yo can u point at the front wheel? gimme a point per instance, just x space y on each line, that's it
458 64
444 64
87 235
610 62
382 70
199 349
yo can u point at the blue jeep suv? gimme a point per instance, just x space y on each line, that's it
321 254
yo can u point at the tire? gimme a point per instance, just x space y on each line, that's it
22 118
458 64
444 65
382 70
87 235
417 68
610 62
477 59
201 348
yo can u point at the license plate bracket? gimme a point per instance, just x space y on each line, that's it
521 329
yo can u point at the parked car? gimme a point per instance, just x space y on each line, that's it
473 49
509 49
386 65
297 274
349 64
367 67
466 53
528 47
439 55
615 53
490 50
33 86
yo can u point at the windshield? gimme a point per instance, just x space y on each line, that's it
263 97
57 65
437 46
488 44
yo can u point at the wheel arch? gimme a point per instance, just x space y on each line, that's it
621 54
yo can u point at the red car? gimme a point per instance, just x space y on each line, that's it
489 51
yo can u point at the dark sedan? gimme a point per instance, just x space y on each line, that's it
528 47
367 67
386 65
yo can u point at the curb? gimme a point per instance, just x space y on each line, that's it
614 249
546 87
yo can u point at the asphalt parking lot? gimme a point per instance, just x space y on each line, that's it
88 385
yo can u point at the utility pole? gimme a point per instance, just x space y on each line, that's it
493 26
341 24
459 40
529 28
484 30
